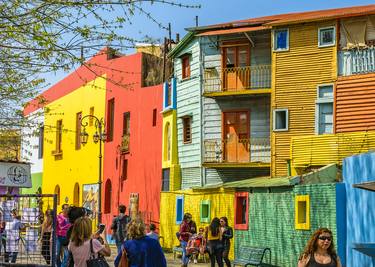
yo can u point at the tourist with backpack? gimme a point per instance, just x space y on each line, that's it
119 227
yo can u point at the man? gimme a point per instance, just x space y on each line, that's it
61 230
152 234
187 229
118 227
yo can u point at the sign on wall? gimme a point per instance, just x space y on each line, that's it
90 196
15 174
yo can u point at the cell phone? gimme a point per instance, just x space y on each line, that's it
101 228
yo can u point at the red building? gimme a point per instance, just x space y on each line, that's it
132 152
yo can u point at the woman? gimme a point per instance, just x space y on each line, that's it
227 234
79 244
320 251
46 236
142 251
214 244
187 229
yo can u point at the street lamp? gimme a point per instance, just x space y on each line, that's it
99 136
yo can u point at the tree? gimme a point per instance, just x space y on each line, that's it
40 36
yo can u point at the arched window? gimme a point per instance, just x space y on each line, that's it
107 196
76 195
167 142
57 192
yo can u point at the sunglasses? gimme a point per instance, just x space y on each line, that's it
324 238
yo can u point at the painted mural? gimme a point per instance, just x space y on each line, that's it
90 197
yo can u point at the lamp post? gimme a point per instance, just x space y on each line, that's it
99 136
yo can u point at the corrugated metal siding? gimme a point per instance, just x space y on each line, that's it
188 103
214 176
298 72
319 150
191 177
355 103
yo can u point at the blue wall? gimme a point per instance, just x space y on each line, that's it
360 207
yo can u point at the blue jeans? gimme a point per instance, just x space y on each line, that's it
119 246
64 263
12 255
185 258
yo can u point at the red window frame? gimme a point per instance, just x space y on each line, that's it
185 62
187 134
238 211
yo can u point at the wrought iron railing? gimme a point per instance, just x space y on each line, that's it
125 143
217 150
237 78
358 61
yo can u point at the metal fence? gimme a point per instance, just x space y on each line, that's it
22 218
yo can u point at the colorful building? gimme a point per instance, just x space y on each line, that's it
132 151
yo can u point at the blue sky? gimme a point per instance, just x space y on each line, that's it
212 12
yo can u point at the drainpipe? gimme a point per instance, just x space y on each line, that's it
201 69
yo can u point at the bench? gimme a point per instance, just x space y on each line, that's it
176 250
251 256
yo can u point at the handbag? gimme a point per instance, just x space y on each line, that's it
124 259
96 262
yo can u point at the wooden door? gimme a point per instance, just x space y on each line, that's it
236 71
236 136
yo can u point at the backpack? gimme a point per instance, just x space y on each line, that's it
121 230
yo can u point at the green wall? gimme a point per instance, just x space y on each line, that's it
36 181
271 221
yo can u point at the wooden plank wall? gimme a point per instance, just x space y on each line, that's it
355 103
296 75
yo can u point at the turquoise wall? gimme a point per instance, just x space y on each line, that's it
271 221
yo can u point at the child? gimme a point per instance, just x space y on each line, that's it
196 245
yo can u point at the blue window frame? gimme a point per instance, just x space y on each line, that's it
179 209
281 40
169 95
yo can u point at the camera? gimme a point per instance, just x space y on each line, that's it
101 228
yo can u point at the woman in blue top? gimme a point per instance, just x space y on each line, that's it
142 250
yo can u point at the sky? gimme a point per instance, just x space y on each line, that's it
212 12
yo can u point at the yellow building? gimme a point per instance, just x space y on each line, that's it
68 165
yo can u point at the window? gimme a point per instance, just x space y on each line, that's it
91 119
205 211
124 172
326 36
41 140
280 119
110 119
58 137
281 40
179 209
167 142
107 196
165 180
324 110
125 132
241 211
302 212
185 61
76 195
186 121
169 94
78 130
154 116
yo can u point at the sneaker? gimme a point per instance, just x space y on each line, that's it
195 261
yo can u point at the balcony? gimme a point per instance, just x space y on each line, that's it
237 80
125 143
320 150
254 152
359 61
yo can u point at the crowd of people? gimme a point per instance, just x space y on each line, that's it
213 239
77 245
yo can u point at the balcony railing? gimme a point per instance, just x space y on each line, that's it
253 150
320 150
357 61
125 143
237 79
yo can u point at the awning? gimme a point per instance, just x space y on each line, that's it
234 30
366 186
